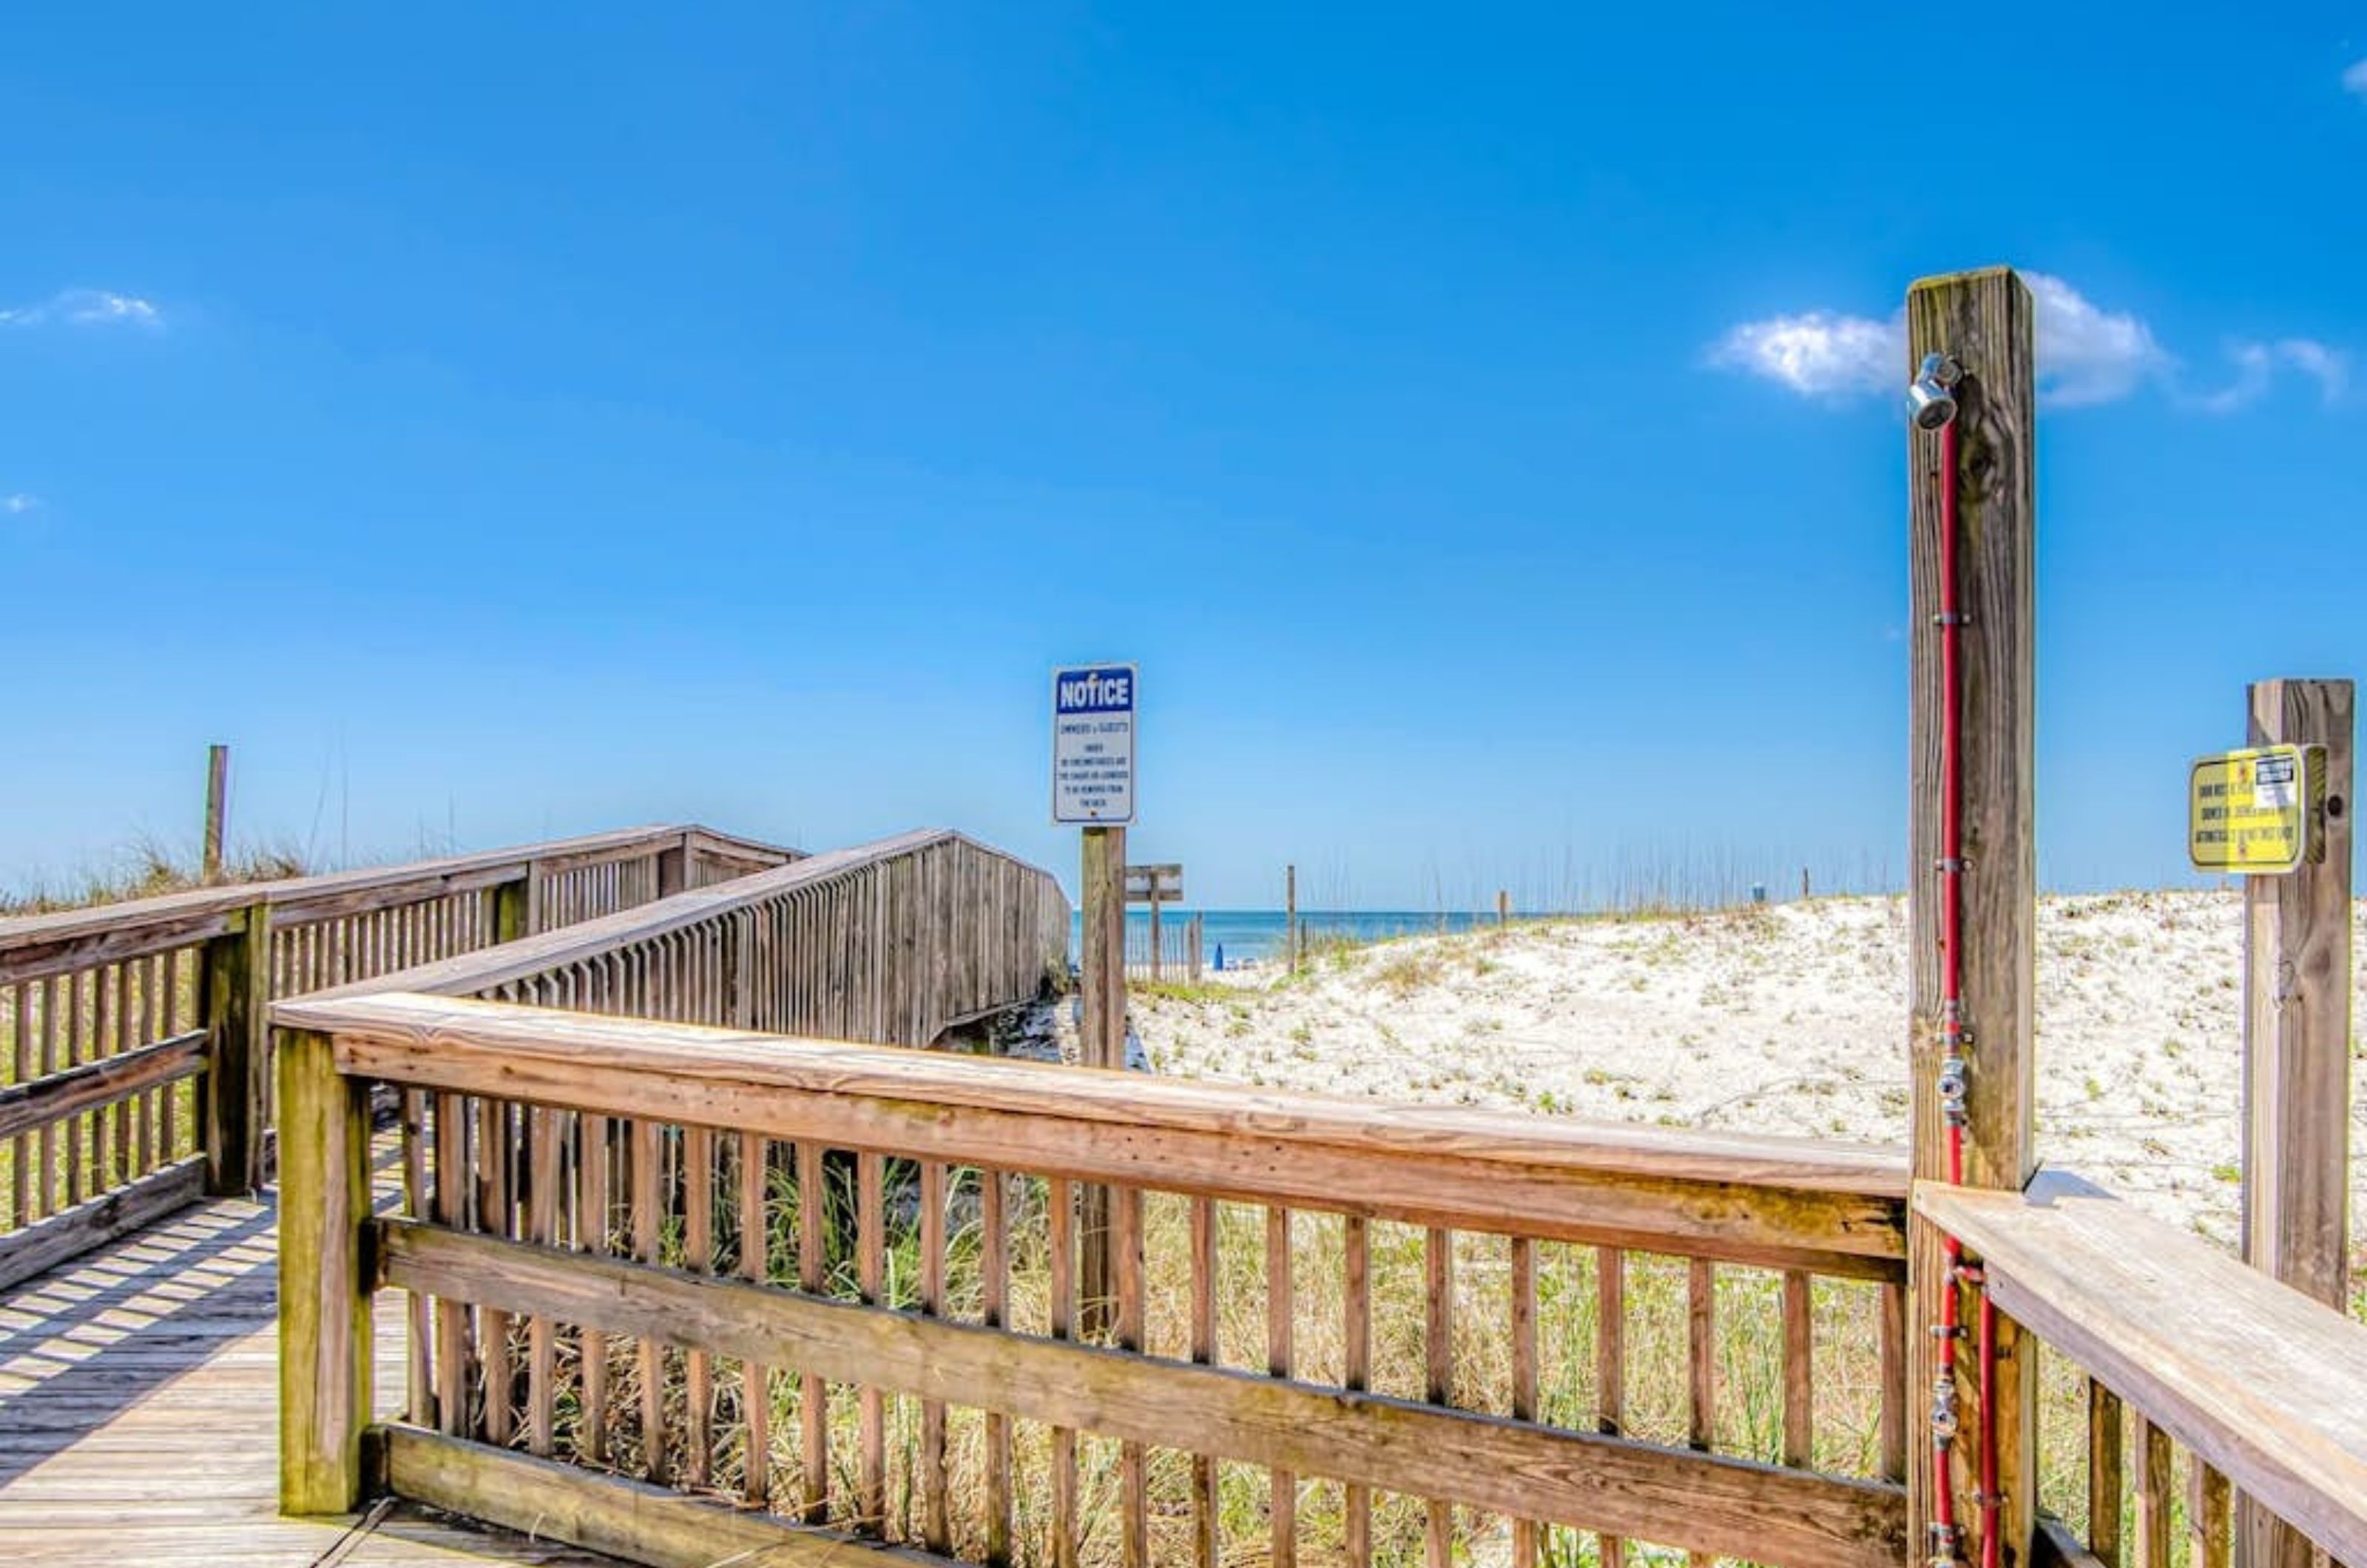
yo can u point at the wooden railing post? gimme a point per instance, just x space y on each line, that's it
2297 1047
235 994
674 869
513 902
209 854
324 1288
1984 320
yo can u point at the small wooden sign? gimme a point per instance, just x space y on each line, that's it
2258 812
1154 885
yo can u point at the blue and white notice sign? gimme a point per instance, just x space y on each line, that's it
1093 744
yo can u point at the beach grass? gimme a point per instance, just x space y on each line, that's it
1749 1410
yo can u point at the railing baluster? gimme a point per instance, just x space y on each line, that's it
994 1288
1891 1331
2209 1511
20 1183
756 1379
813 1277
646 1196
143 1108
1125 1227
1610 1369
2104 1473
936 1526
593 1154
1799 1372
1438 1386
1524 1373
2153 1494
698 1257
451 1316
1060 1226
1700 1360
126 1146
542 1348
1355 1375
871 1270
420 1389
1204 1351
494 1144
1284 1508
1701 1354
50 1064
169 1100
95 1049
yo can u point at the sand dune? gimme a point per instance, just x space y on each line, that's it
1783 1019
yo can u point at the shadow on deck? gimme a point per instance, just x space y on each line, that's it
139 1415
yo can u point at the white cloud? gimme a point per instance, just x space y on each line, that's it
2329 369
85 308
1820 354
2256 367
21 503
2355 79
2086 354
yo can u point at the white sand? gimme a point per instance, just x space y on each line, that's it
1789 1018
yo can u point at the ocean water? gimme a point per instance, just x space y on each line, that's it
1254 934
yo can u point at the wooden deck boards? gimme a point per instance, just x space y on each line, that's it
139 1415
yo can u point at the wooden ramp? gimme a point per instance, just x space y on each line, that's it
139 1419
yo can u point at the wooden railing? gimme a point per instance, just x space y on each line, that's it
135 1071
655 1265
2175 1344
894 941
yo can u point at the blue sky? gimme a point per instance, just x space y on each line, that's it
1479 423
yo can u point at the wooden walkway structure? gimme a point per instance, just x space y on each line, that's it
139 1398
622 1213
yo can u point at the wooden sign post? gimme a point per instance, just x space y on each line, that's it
209 856
2297 1044
1092 787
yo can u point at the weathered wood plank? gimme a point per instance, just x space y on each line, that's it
1799 1373
32 946
2297 1044
236 981
631 1519
1524 1308
105 1082
2105 1480
1703 1502
756 1263
1283 1498
994 1286
69 1233
1710 1195
325 1326
1986 321
2266 1385
1204 1353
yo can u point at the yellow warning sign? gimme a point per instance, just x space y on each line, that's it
2258 811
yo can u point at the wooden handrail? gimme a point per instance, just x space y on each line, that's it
2265 1385
469 974
34 945
1835 1209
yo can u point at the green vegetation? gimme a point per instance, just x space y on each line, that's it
148 869
1748 1420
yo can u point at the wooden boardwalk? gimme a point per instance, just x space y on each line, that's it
139 1424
